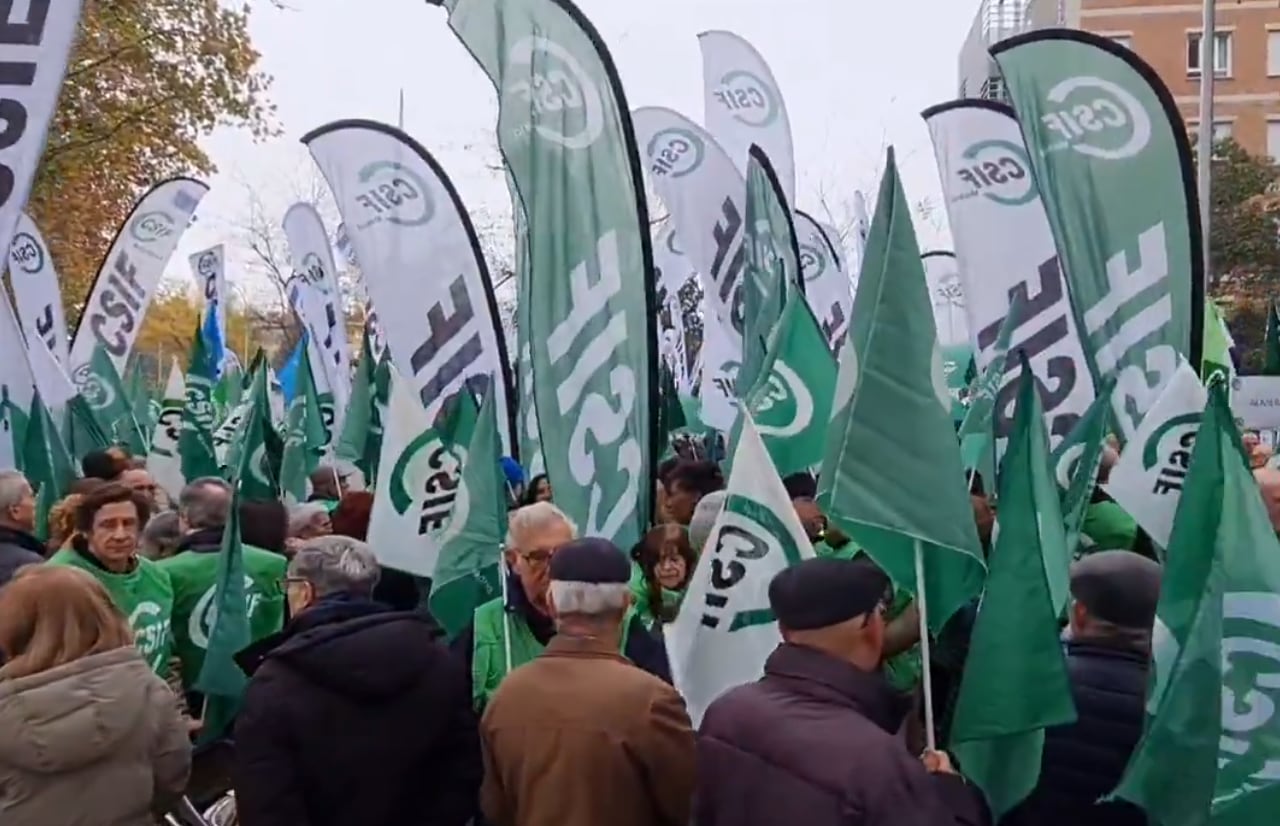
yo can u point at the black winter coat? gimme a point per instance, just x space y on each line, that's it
16 550
357 716
1085 760
813 743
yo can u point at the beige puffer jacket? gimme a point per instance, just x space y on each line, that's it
95 742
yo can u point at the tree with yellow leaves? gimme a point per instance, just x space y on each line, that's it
147 79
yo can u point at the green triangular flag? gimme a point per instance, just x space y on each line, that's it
104 409
466 573
229 391
1211 748
1216 356
46 463
257 447
221 680
791 402
1090 434
195 443
977 434
1015 682
892 475
360 411
1271 346
13 425
771 264
671 415
305 437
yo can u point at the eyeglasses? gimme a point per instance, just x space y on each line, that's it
285 582
537 558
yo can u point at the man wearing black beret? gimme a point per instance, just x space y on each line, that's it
815 740
580 736
1114 596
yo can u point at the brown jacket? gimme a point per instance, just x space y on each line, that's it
580 737
95 742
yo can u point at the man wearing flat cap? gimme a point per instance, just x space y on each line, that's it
580 736
1114 596
815 741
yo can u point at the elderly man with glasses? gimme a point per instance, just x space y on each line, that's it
354 714
511 630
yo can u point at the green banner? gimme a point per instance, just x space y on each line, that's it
564 129
1109 152
772 266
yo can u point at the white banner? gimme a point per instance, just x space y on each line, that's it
131 272
34 49
35 289
718 383
1004 247
420 490
55 386
724 631
163 461
309 303
210 270
707 197
744 106
826 283
1147 481
324 313
1255 401
17 385
421 261
672 271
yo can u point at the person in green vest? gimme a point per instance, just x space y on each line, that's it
1107 526
203 507
511 630
662 563
109 522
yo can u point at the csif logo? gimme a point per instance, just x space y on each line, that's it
1167 454
1097 118
748 98
565 104
313 272
428 474
392 192
26 254
813 262
675 152
92 388
999 171
784 406
750 533
149 227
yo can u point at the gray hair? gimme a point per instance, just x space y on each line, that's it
301 516
205 503
704 519
590 599
13 488
161 536
336 565
534 517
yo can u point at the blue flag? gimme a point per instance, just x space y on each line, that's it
215 347
288 373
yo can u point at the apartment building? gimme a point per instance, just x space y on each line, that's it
1167 34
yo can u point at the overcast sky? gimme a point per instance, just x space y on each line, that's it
855 75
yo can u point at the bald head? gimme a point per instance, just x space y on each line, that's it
1269 485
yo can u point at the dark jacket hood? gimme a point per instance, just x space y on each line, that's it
356 647
22 539
205 540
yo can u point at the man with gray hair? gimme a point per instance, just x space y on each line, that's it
18 544
354 713
579 735
523 614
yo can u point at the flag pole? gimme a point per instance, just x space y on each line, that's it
931 740
1204 161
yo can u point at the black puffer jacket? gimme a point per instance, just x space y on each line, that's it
357 716
1085 760
16 550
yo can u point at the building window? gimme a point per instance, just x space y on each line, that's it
1273 53
1273 140
1222 130
1124 40
1221 53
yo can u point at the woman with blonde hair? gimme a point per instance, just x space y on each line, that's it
89 736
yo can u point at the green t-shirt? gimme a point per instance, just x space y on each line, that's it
193 574
144 595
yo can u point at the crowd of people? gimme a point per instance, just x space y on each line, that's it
554 708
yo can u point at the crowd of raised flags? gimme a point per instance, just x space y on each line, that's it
1072 312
